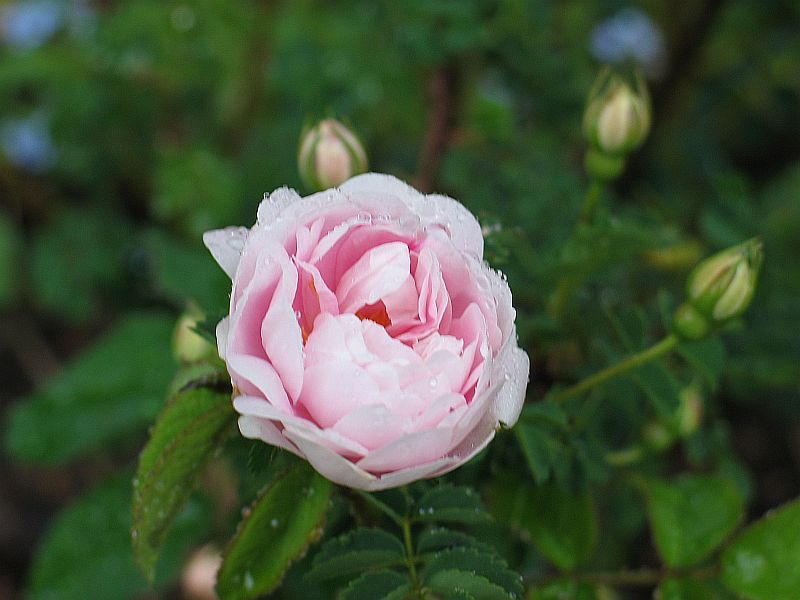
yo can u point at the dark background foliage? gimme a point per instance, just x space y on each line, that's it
129 128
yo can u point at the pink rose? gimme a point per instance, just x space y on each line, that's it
366 334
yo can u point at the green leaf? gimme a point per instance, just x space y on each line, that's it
185 438
286 517
562 525
355 551
113 389
442 571
691 516
90 540
377 585
540 448
683 589
76 259
568 590
546 411
451 503
182 272
441 538
706 356
457 584
763 562
9 265
630 325
206 374
660 386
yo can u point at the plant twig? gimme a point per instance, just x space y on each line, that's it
443 91
628 577
627 364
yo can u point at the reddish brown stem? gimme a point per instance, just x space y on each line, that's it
443 91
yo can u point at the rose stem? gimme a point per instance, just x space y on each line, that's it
632 362
558 301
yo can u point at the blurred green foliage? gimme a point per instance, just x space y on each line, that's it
129 128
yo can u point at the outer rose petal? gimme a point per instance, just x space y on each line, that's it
415 388
226 246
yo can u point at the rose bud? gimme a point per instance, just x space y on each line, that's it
199 576
690 411
719 289
188 345
615 122
366 334
329 155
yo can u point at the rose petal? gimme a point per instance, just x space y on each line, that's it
255 428
380 271
226 247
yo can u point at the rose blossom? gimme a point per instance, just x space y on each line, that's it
366 334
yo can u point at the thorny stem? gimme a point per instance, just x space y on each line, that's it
629 578
632 362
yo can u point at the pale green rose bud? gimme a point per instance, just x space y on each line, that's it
329 155
188 345
690 411
615 122
719 289
657 436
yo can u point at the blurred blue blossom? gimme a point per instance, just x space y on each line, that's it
27 142
630 35
28 25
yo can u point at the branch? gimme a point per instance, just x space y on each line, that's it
444 85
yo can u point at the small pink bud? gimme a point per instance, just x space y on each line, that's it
329 155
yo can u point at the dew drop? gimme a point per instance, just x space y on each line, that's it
433 381
134 534
248 581
274 523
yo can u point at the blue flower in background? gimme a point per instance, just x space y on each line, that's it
630 35
28 25
27 143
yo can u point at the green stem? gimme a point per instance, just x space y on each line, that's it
630 578
384 508
566 285
410 558
590 202
628 364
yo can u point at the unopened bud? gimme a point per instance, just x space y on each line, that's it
677 257
657 436
199 575
719 289
690 411
329 155
615 122
188 345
